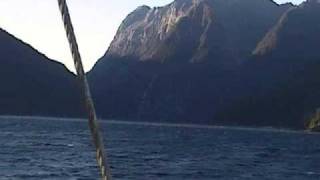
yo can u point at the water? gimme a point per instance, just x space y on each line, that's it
61 149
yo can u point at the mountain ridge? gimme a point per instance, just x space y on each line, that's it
31 47
231 85
159 34
34 84
223 62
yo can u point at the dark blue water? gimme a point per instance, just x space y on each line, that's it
47 149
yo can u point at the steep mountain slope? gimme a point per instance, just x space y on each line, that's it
287 64
222 32
31 84
182 62
296 33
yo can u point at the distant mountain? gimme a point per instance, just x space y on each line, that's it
284 72
220 62
218 31
32 84
195 62
296 34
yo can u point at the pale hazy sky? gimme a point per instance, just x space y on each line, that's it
38 23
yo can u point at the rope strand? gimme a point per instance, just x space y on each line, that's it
93 123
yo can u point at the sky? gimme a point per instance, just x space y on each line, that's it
38 23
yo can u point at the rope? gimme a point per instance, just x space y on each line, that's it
93 123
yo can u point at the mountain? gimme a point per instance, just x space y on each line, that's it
218 62
32 84
287 64
296 32
196 31
187 62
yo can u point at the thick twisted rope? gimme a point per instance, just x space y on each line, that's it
93 123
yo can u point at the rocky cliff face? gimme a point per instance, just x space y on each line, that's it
228 62
195 30
295 35
153 33
31 84
284 71
189 62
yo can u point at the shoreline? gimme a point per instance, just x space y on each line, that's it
158 124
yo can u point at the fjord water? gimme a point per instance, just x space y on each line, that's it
39 148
